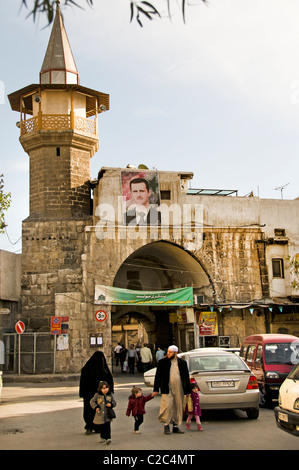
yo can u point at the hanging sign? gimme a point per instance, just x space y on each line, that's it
20 327
116 296
4 311
100 315
208 324
55 325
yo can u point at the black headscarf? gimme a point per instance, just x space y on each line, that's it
95 370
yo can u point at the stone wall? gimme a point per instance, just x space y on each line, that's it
51 263
59 173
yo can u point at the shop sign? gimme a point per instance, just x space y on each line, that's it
173 317
117 296
208 324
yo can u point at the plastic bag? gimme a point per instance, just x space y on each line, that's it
189 404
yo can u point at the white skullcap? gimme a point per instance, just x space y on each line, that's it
173 348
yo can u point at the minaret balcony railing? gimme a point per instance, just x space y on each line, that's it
58 122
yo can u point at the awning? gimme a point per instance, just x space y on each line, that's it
116 296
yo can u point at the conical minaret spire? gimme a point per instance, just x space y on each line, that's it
59 65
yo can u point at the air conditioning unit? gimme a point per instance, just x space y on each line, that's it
198 299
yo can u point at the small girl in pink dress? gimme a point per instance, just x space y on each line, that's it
193 408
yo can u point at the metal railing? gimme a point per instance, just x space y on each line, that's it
58 122
29 353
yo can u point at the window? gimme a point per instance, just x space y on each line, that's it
277 268
243 351
165 194
279 353
259 354
57 151
250 353
279 232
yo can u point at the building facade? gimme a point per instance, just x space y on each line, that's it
238 255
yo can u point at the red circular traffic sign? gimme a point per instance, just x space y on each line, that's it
20 327
100 315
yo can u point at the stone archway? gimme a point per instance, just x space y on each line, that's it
159 265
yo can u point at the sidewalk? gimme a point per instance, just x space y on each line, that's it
44 378
38 378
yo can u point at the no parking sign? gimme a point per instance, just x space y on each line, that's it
20 327
100 315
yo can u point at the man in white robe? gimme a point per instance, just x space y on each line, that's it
172 377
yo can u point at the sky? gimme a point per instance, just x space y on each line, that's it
217 95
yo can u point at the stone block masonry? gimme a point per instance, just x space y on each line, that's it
51 264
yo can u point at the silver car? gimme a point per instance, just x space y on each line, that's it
223 379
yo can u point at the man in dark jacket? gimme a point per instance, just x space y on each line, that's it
172 377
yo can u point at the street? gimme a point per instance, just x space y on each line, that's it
48 416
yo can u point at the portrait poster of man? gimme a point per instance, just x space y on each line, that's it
141 197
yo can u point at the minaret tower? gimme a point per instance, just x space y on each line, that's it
62 134
59 131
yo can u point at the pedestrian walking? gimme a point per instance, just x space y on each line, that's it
193 407
172 377
122 357
117 350
160 353
132 358
146 357
139 363
95 370
136 406
103 403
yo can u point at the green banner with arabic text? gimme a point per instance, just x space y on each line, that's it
117 296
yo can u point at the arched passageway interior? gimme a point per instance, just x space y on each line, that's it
157 266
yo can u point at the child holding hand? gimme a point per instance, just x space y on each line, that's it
136 405
193 408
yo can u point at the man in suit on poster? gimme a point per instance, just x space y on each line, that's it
141 212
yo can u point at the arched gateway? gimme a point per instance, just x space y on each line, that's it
158 266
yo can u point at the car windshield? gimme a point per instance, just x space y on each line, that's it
216 362
282 353
294 374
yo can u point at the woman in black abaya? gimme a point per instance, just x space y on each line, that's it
95 370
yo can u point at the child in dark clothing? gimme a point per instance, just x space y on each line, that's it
136 405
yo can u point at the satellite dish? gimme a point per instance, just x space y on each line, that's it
142 167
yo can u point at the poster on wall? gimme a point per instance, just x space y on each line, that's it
141 197
62 342
208 324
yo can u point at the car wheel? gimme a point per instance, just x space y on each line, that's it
253 413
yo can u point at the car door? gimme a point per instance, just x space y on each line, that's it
257 367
